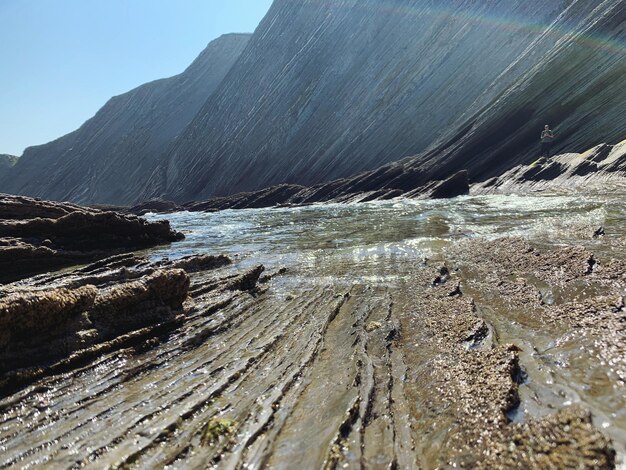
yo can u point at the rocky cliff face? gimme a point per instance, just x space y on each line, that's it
6 163
575 84
327 89
107 159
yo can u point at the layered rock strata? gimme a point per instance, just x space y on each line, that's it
382 184
110 157
601 168
326 89
38 236
329 89
417 373
52 323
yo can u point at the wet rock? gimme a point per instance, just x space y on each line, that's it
456 291
599 232
601 168
516 255
268 277
238 372
442 277
373 326
42 326
269 197
456 185
566 439
197 263
49 322
154 205
387 182
38 236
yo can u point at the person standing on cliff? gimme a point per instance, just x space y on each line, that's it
547 136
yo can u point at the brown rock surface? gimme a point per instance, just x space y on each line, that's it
51 322
401 373
38 236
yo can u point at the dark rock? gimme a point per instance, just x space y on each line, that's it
542 171
248 281
599 232
456 291
192 264
154 205
599 168
442 278
268 197
377 185
6 163
38 236
456 185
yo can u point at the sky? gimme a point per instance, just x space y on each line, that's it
61 60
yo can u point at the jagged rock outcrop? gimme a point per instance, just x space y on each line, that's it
111 156
455 185
382 184
601 168
54 322
38 236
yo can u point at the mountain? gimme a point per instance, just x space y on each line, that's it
6 163
109 156
327 89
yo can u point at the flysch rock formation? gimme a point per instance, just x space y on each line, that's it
598 168
227 369
108 159
52 322
385 183
38 236
328 89
575 87
602 168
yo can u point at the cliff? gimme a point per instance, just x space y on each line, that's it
109 156
576 86
6 163
328 89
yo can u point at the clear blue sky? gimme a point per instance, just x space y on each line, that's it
60 60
